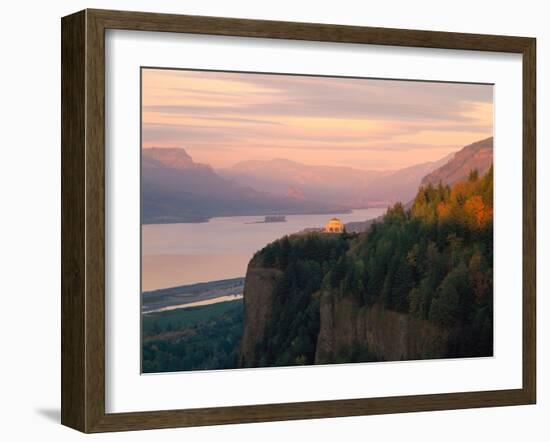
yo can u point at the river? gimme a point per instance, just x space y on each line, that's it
186 253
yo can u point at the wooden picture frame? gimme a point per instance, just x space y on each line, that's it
83 220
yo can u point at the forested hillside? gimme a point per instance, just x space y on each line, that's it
429 268
193 338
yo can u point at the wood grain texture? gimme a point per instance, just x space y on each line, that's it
95 221
73 128
529 221
144 21
83 220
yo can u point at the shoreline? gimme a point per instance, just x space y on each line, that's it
219 299
203 220
192 295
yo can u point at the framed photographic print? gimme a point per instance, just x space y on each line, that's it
270 220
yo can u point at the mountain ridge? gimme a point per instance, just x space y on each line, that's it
173 157
350 186
174 189
477 155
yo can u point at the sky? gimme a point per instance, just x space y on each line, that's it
222 118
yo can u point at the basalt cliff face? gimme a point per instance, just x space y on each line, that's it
389 335
345 326
258 303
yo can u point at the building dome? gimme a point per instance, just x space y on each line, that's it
334 226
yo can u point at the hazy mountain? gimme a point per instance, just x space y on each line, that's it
175 158
478 155
401 185
345 185
176 189
285 177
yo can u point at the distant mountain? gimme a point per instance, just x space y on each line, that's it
176 189
401 185
175 158
345 185
285 177
478 155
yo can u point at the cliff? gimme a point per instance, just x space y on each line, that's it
348 330
258 302
347 327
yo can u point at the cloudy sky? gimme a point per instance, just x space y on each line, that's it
222 118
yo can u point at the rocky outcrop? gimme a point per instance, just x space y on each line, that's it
387 334
258 300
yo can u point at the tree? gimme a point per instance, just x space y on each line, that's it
403 283
451 304
473 175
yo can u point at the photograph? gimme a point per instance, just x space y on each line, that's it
291 220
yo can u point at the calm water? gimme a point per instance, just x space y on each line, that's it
177 254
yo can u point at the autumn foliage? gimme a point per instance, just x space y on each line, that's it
467 203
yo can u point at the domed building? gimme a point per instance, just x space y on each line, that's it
334 226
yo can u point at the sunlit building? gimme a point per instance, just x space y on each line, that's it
334 226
